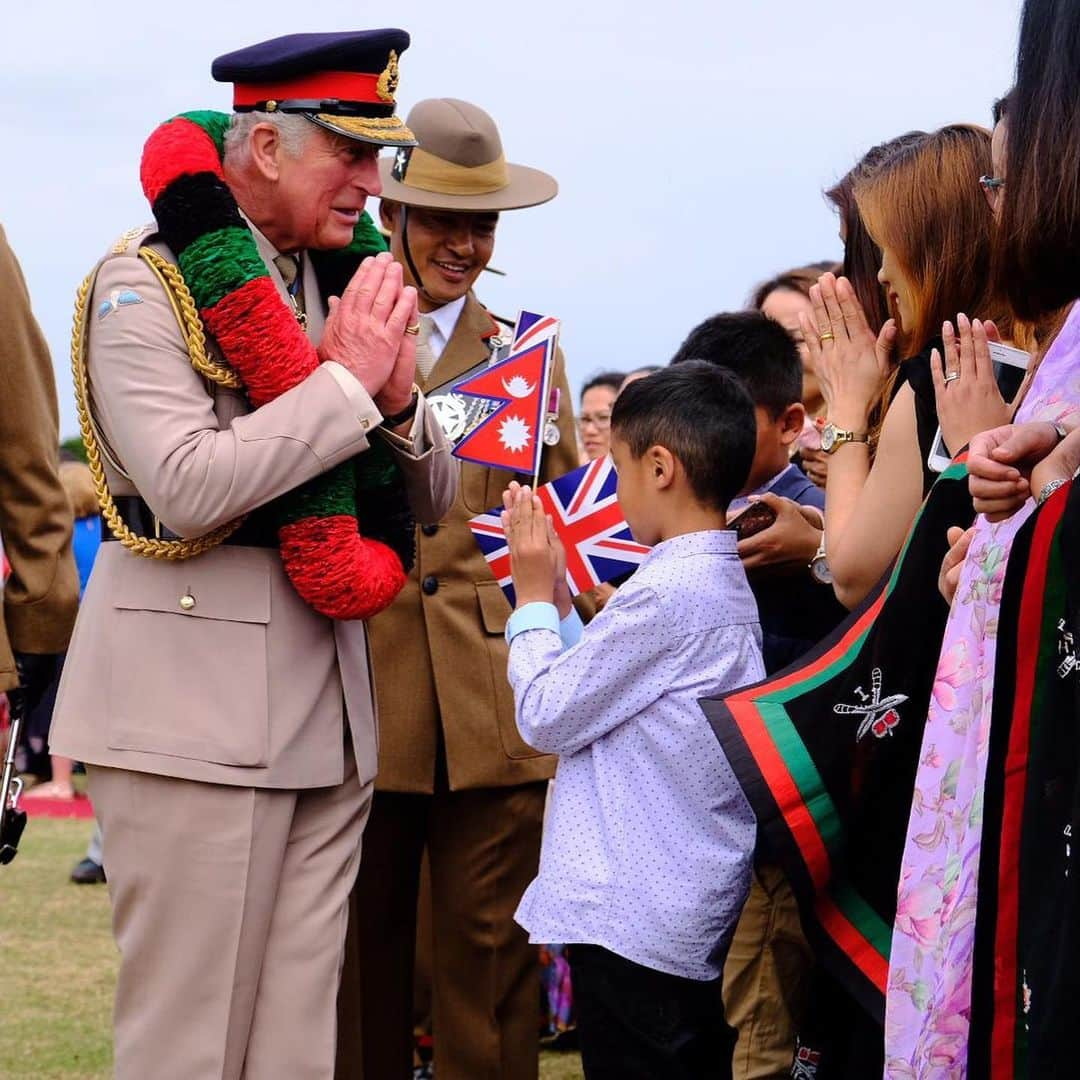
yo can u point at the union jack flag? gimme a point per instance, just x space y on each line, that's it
587 517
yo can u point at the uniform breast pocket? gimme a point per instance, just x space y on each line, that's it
189 677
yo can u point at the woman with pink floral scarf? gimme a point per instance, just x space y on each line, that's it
929 1001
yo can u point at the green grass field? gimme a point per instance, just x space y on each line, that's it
58 963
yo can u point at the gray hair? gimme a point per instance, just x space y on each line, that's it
293 128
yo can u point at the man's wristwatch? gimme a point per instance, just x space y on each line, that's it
406 414
819 565
832 438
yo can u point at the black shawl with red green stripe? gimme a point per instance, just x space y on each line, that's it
828 764
1026 976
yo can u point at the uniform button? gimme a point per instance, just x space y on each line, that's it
430 585
429 530
187 602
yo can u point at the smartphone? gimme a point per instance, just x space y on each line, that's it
1010 365
757 517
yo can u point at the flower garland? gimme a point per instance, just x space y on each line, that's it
336 569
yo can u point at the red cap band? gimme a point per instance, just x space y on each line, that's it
342 85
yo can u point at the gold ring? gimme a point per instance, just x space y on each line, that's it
414 329
827 336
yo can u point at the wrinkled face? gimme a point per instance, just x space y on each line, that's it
636 492
319 195
899 289
594 421
449 248
784 306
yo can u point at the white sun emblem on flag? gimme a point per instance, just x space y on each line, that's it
514 433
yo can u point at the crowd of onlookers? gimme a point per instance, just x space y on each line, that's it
946 335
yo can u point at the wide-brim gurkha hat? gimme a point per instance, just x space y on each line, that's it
344 82
458 164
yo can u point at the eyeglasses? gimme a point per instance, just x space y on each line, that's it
598 420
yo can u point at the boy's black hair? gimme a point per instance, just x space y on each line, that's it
612 379
703 415
757 349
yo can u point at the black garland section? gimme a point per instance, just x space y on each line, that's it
194 205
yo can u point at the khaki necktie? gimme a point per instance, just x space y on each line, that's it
425 358
289 268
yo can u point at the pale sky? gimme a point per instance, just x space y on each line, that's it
691 139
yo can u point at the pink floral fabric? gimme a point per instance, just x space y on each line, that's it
928 1002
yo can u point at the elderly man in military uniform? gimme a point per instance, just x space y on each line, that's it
455 778
217 685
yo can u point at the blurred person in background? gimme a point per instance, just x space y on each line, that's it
783 299
924 208
86 539
40 597
594 419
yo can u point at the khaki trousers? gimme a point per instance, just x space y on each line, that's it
483 847
766 978
229 910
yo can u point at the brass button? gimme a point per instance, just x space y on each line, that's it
271 106
187 602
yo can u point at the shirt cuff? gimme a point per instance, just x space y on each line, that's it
414 441
535 616
366 411
571 629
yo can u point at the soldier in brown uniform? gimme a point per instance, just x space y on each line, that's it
454 776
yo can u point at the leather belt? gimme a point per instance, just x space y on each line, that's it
137 516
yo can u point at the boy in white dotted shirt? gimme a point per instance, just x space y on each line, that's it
647 849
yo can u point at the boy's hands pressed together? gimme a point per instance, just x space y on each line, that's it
534 562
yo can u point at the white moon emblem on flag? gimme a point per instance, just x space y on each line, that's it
518 387
514 433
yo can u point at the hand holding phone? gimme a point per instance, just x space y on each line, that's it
975 383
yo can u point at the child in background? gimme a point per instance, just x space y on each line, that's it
786 562
646 856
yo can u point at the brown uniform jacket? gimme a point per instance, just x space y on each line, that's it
439 654
42 594
248 685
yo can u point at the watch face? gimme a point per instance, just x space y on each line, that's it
828 437
819 570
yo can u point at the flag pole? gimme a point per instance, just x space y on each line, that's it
545 398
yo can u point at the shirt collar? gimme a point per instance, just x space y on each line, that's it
446 317
707 542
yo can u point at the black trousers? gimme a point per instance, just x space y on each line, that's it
635 1023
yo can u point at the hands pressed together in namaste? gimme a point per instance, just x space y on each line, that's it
371 331
537 555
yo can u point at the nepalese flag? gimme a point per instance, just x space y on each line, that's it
512 437
587 517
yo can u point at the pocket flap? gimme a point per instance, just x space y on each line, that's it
494 608
201 588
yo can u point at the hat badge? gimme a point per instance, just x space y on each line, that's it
388 81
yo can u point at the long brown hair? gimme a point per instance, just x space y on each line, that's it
862 256
924 204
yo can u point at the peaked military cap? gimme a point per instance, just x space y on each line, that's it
343 81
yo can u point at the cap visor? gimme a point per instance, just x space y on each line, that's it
382 131
527 187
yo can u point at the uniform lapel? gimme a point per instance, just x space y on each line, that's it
467 346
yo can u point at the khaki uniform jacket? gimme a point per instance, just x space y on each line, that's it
439 654
248 685
42 594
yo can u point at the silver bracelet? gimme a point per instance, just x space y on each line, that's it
1049 489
